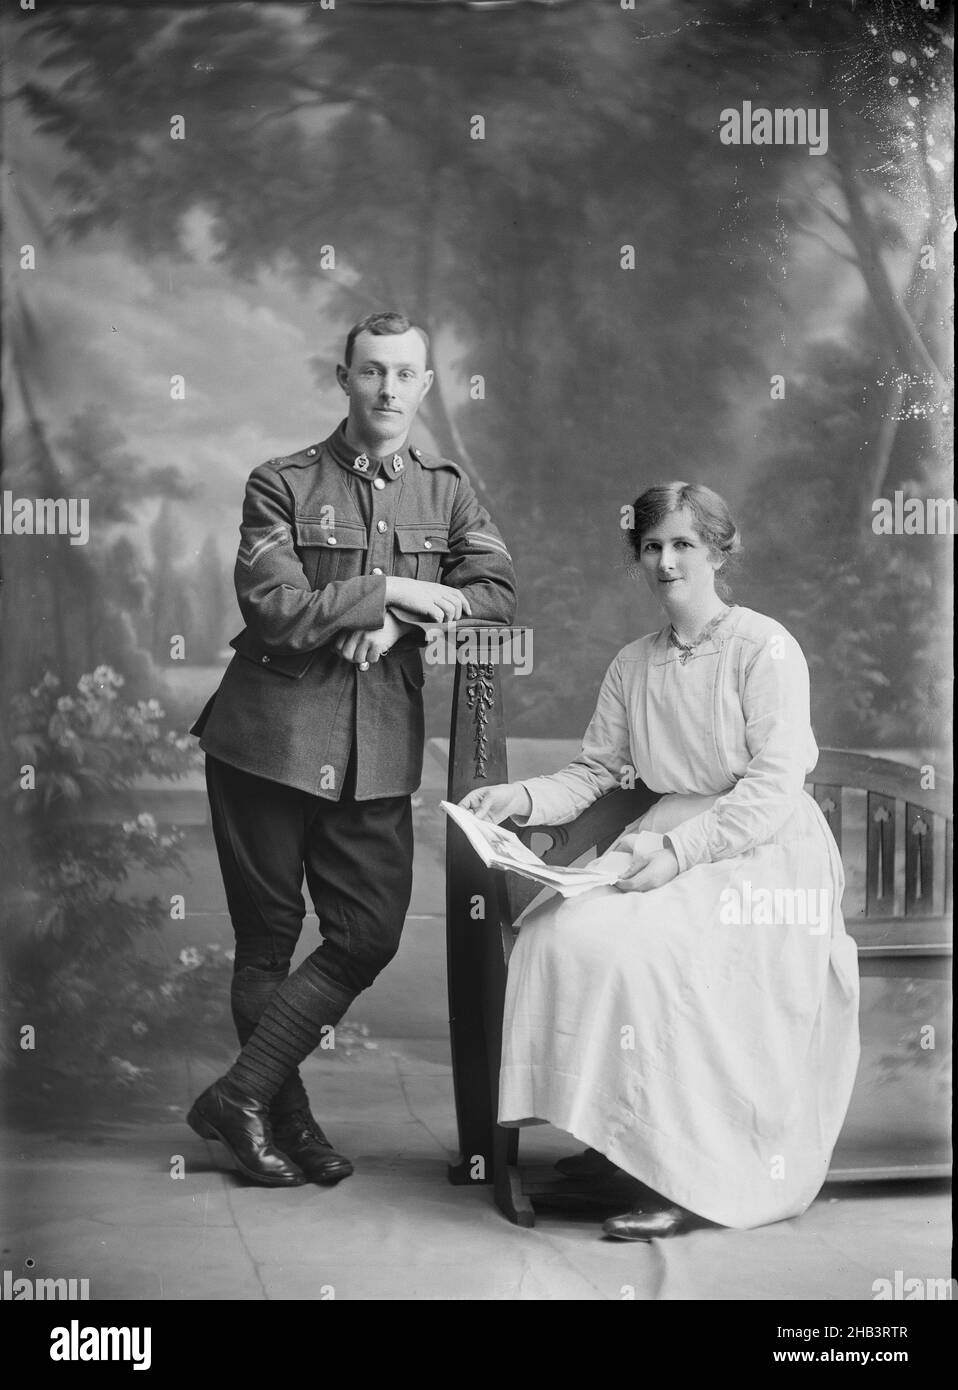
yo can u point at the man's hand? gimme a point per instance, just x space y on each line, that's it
649 871
370 646
498 803
440 602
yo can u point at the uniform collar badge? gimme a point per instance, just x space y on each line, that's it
398 464
361 463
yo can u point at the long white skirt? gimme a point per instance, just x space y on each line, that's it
703 1036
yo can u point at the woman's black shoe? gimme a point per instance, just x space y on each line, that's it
302 1140
652 1225
242 1125
589 1165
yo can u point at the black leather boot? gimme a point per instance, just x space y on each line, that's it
243 1126
302 1140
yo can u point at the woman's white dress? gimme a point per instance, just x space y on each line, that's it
703 1035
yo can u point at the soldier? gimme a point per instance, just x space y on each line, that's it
314 739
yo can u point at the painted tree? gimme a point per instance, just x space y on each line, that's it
497 174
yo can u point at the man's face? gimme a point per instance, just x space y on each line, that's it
385 383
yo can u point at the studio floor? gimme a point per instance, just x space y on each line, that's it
125 1195
108 1209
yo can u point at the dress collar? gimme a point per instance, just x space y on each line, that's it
718 632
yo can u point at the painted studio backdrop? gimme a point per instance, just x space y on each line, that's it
633 268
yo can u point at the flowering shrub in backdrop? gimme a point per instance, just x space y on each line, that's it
85 967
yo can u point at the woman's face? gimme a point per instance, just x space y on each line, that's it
677 564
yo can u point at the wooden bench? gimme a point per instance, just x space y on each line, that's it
902 930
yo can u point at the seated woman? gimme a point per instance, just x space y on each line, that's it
696 1024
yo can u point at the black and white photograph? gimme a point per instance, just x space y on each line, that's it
476 533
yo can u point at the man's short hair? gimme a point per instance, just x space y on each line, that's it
388 322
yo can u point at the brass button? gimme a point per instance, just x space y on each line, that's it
428 545
377 570
330 540
378 483
265 660
381 526
310 452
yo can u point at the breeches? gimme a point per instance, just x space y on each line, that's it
355 856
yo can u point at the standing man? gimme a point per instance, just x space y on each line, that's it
314 740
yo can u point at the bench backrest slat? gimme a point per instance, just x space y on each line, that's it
880 855
829 798
919 860
949 866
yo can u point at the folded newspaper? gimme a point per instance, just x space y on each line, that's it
501 849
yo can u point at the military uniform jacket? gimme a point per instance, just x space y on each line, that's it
321 531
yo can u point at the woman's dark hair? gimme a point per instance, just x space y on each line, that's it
713 521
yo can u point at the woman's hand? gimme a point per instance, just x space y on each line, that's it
649 871
498 803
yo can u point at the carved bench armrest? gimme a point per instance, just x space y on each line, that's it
597 827
594 828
